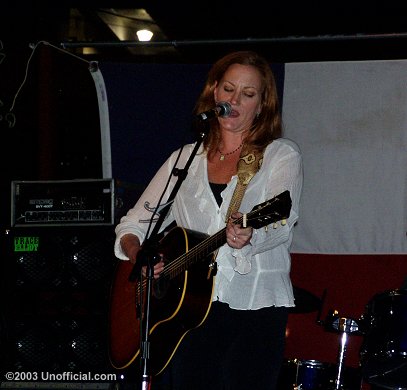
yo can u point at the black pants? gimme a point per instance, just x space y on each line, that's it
232 349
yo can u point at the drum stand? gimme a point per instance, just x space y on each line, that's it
344 326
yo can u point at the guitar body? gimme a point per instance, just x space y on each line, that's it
178 304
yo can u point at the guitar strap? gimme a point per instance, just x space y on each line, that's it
248 165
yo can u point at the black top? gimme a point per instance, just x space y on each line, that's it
217 189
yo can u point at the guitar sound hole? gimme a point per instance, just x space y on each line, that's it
160 287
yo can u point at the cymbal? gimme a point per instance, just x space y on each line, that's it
305 302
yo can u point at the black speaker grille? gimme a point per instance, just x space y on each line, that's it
56 315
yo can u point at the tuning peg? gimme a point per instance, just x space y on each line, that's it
283 222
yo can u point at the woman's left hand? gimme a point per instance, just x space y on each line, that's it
236 235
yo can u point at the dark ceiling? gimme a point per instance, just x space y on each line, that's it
283 31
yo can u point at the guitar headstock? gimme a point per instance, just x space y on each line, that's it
270 212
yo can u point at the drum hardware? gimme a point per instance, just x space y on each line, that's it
383 353
299 374
305 375
315 375
341 325
335 323
344 326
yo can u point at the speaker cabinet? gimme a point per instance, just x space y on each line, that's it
55 298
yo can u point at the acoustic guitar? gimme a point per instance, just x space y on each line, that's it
182 295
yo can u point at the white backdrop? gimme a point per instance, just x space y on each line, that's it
350 121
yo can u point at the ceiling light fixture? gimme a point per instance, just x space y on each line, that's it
144 35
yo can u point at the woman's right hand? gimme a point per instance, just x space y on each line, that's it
131 246
158 268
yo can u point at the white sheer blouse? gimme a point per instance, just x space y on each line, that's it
267 257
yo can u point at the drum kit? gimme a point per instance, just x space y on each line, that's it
383 354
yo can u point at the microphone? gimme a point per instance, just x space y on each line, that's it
222 109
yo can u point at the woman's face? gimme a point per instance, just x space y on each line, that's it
241 87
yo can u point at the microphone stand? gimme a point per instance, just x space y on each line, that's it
149 256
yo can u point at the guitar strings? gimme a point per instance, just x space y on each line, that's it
175 265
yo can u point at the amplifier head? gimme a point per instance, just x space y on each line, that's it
62 202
